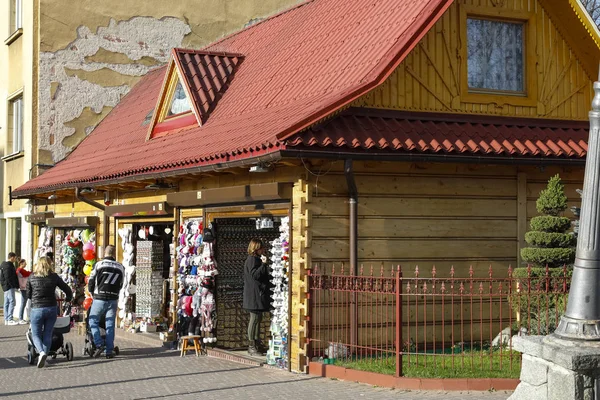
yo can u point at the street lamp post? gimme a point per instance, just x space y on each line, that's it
581 321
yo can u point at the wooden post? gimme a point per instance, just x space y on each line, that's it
521 213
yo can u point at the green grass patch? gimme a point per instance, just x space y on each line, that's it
469 364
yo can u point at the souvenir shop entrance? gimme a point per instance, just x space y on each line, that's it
75 252
144 242
211 252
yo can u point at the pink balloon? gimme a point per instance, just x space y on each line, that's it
88 246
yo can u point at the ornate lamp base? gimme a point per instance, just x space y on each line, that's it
578 329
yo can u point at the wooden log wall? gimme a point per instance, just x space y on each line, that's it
432 77
424 215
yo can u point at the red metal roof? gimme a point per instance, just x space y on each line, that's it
381 130
299 66
207 76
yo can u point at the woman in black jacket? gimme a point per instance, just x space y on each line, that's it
41 288
256 292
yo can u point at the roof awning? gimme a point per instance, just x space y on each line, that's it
371 131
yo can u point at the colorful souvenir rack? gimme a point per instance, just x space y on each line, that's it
196 309
149 278
277 353
75 255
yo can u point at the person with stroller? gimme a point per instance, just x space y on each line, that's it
23 275
10 283
41 287
104 284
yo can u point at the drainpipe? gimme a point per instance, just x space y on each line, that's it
353 238
105 218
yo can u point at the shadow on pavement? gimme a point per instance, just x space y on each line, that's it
191 374
227 388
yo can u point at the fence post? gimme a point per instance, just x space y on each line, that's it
398 323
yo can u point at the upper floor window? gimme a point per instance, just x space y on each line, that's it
16 20
180 102
496 56
15 124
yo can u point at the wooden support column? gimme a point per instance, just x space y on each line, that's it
521 213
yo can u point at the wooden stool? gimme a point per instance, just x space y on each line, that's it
185 346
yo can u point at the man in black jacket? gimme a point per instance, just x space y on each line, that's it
104 284
10 283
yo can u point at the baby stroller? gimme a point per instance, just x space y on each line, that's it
58 347
89 346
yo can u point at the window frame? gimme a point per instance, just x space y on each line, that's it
15 24
15 140
474 95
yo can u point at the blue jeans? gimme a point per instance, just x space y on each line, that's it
42 324
23 304
109 309
9 304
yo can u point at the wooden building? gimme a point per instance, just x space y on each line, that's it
391 132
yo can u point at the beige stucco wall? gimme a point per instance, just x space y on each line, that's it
16 73
91 53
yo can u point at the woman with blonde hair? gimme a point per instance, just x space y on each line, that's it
256 292
41 288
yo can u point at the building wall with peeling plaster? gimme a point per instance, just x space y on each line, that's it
92 53
87 56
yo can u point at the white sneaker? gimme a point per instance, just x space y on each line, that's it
22 322
12 322
42 360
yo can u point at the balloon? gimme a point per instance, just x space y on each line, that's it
87 278
85 235
87 270
89 246
89 255
87 303
90 262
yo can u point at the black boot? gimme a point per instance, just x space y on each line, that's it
253 350
261 347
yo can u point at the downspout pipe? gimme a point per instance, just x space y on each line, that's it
105 218
353 239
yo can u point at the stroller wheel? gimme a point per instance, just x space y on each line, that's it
116 350
53 356
69 348
30 358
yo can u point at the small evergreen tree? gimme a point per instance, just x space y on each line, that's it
549 242
550 246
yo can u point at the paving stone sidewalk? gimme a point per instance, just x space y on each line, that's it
143 372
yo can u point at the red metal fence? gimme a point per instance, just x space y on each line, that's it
447 322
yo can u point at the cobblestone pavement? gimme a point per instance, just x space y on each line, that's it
143 372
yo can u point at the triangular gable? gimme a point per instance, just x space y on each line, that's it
193 85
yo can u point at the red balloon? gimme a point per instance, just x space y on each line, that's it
87 303
89 255
87 278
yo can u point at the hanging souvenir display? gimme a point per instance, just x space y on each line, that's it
149 278
45 244
207 274
189 249
74 260
277 353
128 263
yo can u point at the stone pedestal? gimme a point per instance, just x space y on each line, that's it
557 369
